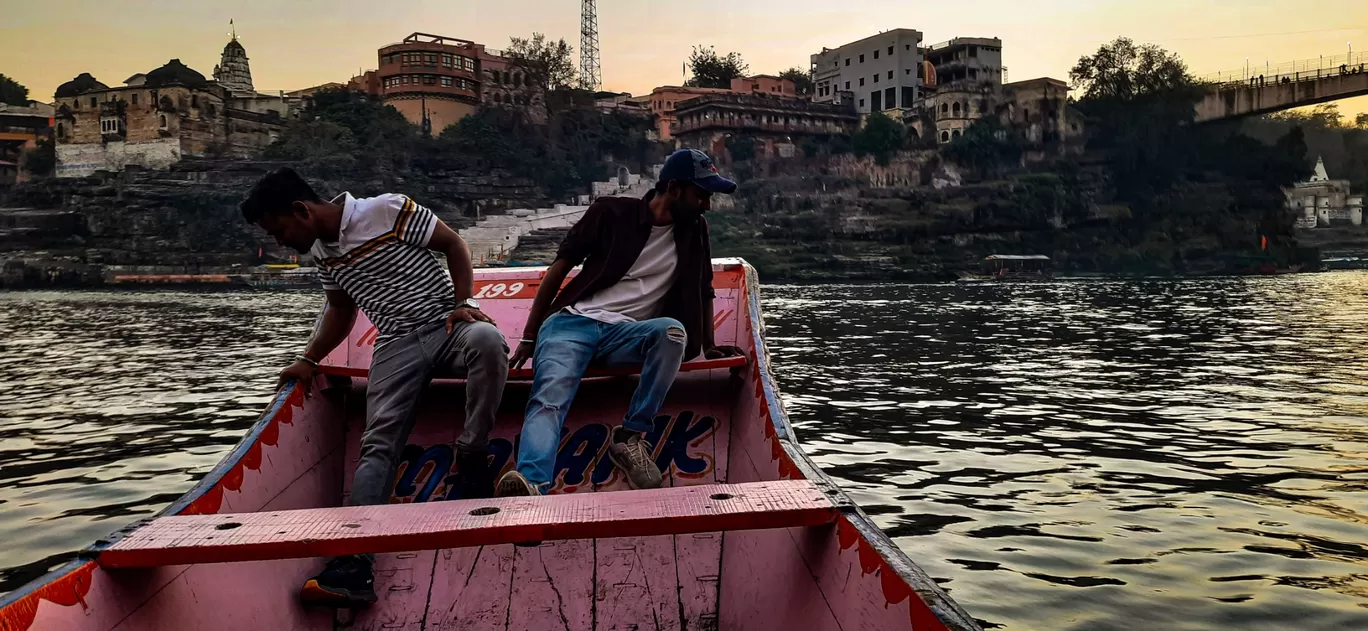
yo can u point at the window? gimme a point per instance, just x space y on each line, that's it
432 59
955 109
94 102
861 80
861 102
891 97
135 98
890 50
847 61
955 134
876 54
876 78
76 104
945 136
861 58
194 100
429 80
945 108
909 47
517 79
908 71
61 131
909 96
446 60
876 101
404 79
890 74
469 64
446 82
163 121
847 85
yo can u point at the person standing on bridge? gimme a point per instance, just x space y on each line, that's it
373 254
644 298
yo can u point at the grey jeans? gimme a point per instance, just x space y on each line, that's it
401 370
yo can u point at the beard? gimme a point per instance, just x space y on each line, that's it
685 214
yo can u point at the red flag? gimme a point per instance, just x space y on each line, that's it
1263 242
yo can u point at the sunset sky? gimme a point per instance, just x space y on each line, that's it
300 43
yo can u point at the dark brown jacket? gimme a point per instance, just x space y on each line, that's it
608 240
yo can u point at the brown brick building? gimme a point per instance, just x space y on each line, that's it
777 122
155 119
442 79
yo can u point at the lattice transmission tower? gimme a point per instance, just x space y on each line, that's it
590 76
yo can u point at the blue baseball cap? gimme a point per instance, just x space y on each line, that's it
692 165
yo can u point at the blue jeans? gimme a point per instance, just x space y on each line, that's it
566 345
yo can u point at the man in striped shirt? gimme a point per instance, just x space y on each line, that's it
375 254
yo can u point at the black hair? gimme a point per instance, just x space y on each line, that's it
275 194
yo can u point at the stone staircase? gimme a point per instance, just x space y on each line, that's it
536 234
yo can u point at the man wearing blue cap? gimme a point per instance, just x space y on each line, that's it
644 297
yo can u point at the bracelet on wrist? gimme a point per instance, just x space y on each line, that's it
527 341
308 360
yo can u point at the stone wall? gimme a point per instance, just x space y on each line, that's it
81 160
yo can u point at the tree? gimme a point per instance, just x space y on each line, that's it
40 160
802 80
1124 71
543 66
12 92
711 71
1361 121
880 137
1140 102
987 147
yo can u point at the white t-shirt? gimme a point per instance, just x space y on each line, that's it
381 260
641 292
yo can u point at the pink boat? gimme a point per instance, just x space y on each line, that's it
746 533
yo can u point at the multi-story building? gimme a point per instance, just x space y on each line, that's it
705 122
431 79
156 118
879 72
966 59
963 83
664 99
20 128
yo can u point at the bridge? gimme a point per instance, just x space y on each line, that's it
1256 91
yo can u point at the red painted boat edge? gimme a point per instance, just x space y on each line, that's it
18 607
946 610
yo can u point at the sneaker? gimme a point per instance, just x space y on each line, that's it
476 480
513 484
346 581
631 453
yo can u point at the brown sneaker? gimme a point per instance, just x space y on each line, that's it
513 484
631 453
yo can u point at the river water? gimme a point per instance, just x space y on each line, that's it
1071 455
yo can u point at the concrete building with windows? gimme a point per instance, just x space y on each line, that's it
877 73
963 83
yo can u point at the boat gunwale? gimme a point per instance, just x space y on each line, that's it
950 613
204 485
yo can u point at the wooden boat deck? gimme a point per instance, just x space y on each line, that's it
328 532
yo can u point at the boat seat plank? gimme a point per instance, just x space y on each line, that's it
523 374
325 532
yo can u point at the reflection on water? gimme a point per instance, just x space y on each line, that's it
1118 455
114 403
1107 455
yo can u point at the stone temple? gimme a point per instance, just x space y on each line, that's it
233 71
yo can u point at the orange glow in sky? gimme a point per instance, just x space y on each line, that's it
302 43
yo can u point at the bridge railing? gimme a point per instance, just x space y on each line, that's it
1289 72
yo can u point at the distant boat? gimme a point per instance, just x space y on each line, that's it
278 277
1010 267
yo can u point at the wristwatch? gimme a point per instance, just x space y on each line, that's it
469 303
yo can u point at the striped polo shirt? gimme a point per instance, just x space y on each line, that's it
381 260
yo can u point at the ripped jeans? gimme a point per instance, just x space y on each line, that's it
566 345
